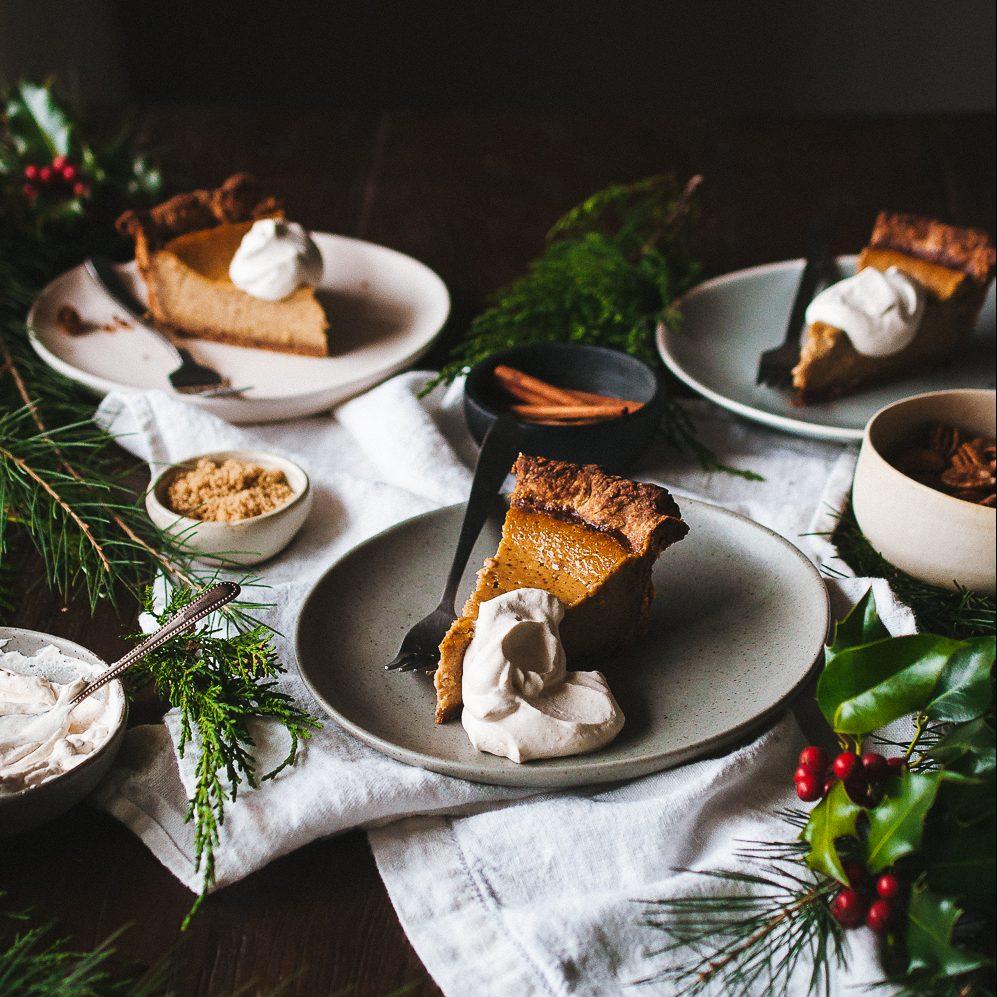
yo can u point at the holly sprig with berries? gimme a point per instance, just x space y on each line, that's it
901 841
54 176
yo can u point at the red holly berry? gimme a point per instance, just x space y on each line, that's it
801 773
808 788
879 916
855 873
829 784
888 886
45 174
80 189
875 767
845 764
896 765
813 759
69 173
59 162
31 172
848 908
30 191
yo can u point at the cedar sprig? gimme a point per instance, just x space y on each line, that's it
219 680
611 270
959 613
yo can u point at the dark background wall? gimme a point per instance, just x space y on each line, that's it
877 57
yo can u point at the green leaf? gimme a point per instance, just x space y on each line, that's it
965 690
897 823
960 861
866 687
931 921
833 818
861 626
39 127
969 748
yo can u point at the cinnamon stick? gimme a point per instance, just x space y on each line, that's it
507 376
607 411
529 388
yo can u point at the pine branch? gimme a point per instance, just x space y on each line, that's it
776 921
36 962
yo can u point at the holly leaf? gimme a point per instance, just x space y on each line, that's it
969 748
833 818
861 626
965 690
960 861
866 687
931 919
896 825
38 126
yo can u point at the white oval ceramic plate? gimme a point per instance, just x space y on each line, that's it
728 322
739 620
385 310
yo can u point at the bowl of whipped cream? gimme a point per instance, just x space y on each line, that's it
52 756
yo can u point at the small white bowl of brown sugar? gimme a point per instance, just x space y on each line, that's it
237 507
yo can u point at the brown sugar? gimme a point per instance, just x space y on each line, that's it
228 491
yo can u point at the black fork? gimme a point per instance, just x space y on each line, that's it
775 366
420 648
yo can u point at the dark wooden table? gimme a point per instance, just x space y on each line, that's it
471 195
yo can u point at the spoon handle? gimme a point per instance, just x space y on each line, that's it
205 604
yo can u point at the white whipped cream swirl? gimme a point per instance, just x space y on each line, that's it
519 701
879 310
41 735
274 259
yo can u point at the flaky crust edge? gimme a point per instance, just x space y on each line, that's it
644 515
965 249
238 199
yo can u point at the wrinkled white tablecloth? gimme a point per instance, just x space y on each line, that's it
500 891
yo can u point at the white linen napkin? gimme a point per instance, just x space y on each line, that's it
500 891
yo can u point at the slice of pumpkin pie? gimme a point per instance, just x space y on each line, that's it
184 248
915 298
587 537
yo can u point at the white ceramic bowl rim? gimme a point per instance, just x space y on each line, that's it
968 508
62 643
187 522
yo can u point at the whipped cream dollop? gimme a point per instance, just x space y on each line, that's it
879 309
274 259
519 701
41 735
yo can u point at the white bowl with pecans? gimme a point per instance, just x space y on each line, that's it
924 487
231 507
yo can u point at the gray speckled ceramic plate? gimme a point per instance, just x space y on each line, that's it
738 622
729 321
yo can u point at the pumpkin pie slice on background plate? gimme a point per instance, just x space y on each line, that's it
384 311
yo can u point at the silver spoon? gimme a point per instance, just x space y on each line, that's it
205 604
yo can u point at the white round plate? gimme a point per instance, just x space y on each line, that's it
385 310
729 321
738 622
